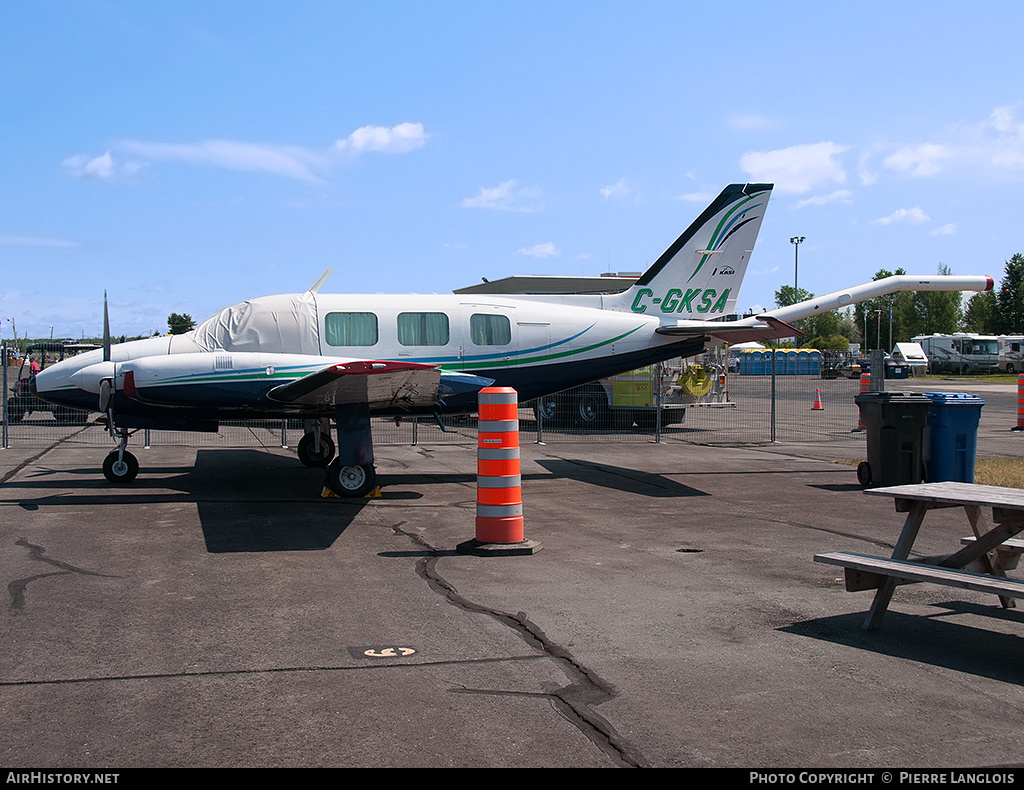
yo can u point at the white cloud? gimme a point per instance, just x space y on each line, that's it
286 161
797 169
927 159
995 144
697 197
617 190
7 240
398 139
507 196
903 216
841 195
547 250
946 230
103 167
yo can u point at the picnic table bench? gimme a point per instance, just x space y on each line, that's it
979 565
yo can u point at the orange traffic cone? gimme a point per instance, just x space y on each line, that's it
817 401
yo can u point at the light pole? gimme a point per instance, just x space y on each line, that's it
796 241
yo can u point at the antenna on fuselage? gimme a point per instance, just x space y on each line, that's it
323 278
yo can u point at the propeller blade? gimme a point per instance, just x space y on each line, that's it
104 395
106 330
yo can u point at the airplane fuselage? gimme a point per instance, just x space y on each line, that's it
230 363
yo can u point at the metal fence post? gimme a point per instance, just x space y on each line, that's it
3 400
878 371
657 374
774 354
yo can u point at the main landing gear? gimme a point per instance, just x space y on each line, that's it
316 447
353 480
352 473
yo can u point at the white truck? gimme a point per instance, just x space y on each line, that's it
963 352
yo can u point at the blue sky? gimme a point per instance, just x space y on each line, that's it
183 156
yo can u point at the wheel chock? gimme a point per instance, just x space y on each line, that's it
327 493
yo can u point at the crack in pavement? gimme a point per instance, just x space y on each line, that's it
574 701
16 589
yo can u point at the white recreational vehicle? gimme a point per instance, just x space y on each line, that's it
1011 353
960 353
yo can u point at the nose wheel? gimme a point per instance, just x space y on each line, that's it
120 467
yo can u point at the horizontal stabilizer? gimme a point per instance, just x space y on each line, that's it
766 328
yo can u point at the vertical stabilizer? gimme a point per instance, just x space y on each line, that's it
699 276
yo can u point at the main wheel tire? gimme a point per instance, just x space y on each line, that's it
307 450
120 471
351 481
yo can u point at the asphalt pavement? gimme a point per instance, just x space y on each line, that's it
221 612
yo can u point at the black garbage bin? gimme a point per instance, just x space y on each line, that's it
893 423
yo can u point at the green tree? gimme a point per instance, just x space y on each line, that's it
1010 298
933 311
179 324
982 314
873 316
788 295
830 329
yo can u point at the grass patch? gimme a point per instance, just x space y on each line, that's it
1004 472
980 378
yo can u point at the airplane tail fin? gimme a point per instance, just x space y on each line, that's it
699 275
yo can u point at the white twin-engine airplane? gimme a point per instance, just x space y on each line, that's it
318 357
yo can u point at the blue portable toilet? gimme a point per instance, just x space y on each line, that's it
950 437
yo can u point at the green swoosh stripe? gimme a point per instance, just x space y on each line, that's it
548 357
718 230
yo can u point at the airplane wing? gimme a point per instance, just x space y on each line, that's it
746 331
379 383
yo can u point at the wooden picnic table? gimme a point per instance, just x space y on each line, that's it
979 565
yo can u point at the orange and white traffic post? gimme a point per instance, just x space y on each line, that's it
500 527
1020 404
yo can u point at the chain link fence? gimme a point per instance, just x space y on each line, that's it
707 401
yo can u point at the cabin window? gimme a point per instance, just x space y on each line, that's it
350 329
490 330
423 329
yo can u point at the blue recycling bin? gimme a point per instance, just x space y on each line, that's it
950 437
